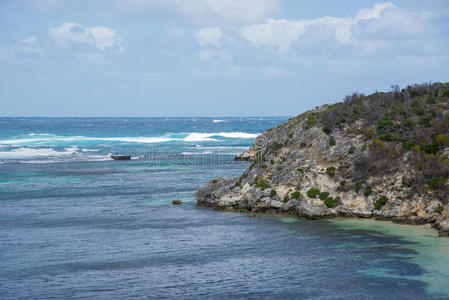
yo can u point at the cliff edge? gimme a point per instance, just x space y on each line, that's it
383 156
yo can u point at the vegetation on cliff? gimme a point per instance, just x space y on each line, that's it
384 155
414 119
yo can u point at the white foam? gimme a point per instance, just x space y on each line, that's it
25 152
197 137
33 134
197 153
191 137
220 121
222 147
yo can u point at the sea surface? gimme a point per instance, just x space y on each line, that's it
75 224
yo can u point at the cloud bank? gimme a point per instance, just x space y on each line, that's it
99 36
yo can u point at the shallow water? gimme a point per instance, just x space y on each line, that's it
75 226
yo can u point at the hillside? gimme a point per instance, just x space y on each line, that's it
384 156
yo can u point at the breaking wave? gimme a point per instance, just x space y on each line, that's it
48 139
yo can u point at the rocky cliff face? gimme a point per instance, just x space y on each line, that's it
311 171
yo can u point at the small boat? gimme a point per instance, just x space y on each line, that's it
121 157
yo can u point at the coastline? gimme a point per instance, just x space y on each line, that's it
274 211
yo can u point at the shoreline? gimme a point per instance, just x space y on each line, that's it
272 211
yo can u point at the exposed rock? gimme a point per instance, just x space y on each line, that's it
246 156
298 156
121 157
177 202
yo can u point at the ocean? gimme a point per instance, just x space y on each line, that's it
76 224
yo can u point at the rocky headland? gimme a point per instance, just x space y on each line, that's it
382 156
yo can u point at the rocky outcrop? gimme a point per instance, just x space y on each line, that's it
298 168
246 156
121 157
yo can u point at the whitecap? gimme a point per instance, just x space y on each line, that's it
197 137
220 121
26 152
197 153
191 137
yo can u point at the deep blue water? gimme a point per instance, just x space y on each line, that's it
75 224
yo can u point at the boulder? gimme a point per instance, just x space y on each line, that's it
121 157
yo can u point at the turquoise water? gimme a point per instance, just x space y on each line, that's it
76 224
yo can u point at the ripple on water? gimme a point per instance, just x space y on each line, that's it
422 246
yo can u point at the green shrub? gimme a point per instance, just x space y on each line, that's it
327 130
380 202
437 183
298 187
442 139
357 186
351 150
272 193
330 202
312 193
439 209
386 124
430 99
446 93
272 162
330 171
286 199
343 182
364 147
323 195
214 180
260 184
296 195
331 141
407 182
368 191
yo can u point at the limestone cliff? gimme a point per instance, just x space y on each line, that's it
381 156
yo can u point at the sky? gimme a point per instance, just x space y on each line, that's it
172 58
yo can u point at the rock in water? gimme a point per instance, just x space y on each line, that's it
121 157
177 202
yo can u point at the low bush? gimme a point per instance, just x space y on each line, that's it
312 193
351 150
368 191
327 130
272 193
323 195
343 182
437 183
286 199
260 184
330 202
357 186
331 141
296 195
330 171
380 202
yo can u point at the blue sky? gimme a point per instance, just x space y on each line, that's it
212 57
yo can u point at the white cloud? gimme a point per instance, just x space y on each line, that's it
373 13
99 36
31 41
29 45
227 11
214 56
280 35
210 36
207 11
